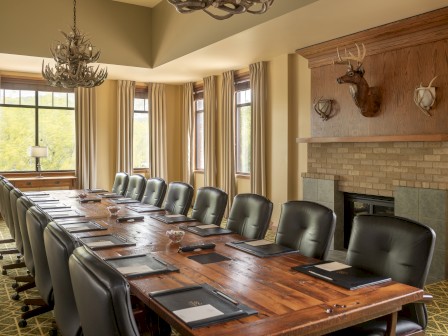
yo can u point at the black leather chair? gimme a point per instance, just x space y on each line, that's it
14 195
36 221
5 202
178 198
398 248
250 215
307 227
209 205
102 296
23 204
154 192
120 183
136 187
59 246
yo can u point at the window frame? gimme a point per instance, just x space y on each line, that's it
242 83
25 84
198 94
141 93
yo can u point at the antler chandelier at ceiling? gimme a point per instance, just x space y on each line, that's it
227 7
72 59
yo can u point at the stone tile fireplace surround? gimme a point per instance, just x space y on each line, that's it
414 173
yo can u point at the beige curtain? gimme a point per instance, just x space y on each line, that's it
228 141
126 92
258 87
210 99
85 138
157 126
188 129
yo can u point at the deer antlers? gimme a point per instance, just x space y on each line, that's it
350 57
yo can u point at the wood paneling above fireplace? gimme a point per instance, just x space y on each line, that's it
400 56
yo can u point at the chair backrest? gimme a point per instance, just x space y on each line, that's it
178 198
23 204
102 296
59 246
209 205
14 195
136 186
250 215
154 192
5 190
396 247
120 183
307 227
36 221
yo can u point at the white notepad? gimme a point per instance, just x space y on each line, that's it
197 313
134 269
100 243
207 226
332 266
259 242
173 216
76 227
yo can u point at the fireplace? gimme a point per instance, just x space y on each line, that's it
356 204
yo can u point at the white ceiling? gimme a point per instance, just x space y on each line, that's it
320 21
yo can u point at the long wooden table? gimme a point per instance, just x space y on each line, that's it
288 302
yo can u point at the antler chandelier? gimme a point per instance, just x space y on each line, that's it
227 7
72 58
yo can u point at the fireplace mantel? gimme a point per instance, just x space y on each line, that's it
378 138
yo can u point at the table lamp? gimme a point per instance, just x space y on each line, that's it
38 152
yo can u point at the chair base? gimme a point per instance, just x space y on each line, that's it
15 265
8 251
41 309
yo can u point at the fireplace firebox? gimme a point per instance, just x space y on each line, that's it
356 204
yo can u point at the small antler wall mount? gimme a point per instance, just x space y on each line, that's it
366 98
323 107
425 97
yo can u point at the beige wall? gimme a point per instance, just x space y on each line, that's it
175 35
120 30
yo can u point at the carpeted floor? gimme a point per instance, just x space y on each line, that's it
10 309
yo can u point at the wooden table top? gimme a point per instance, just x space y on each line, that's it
288 302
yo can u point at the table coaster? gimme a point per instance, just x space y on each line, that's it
208 258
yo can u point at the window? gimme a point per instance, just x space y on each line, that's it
243 127
35 114
140 141
199 129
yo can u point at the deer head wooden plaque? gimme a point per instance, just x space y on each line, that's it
366 98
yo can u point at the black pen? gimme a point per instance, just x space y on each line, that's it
320 276
160 261
226 297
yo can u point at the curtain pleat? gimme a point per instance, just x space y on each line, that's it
210 131
158 147
188 125
228 131
257 73
126 92
85 137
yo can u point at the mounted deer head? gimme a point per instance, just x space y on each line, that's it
366 98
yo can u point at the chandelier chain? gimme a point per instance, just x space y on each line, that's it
74 14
